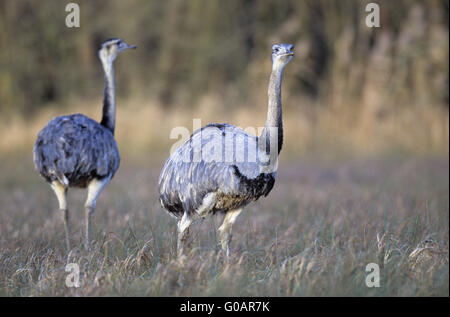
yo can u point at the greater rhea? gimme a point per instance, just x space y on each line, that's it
76 151
222 168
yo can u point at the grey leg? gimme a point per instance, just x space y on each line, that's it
61 194
89 211
225 230
95 187
183 233
67 227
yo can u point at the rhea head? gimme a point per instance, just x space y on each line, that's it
109 50
281 55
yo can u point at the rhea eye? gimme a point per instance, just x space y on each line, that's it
276 49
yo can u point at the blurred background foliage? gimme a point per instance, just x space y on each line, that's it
189 50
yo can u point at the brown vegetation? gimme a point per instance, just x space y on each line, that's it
359 88
314 235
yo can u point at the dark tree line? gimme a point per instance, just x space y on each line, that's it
188 48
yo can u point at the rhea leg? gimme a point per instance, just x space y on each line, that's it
225 229
61 194
183 233
95 187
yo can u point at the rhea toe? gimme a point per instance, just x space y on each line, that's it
76 151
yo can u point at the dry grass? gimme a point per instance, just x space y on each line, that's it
144 126
313 236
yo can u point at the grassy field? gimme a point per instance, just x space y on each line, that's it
312 236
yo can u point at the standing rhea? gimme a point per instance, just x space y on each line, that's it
222 168
76 151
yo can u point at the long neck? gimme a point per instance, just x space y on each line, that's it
109 98
273 129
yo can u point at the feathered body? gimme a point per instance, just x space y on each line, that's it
74 150
185 182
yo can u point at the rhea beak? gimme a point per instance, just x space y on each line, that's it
288 54
124 46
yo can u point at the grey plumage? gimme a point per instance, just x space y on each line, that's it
196 181
76 151
184 183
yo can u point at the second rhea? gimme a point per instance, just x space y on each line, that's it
76 151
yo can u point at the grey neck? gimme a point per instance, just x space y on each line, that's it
273 129
109 98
